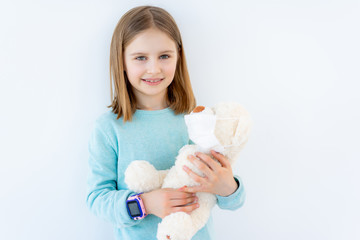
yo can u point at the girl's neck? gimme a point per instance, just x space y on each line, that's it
152 103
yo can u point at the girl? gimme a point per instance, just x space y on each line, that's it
152 92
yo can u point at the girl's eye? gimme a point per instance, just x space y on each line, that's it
142 58
165 56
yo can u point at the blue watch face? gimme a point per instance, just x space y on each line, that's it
134 209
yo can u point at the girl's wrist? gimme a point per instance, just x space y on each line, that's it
145 199
232 188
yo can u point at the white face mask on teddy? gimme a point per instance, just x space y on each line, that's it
201 126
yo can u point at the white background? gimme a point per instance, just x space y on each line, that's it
293 64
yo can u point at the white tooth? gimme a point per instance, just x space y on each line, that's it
152 81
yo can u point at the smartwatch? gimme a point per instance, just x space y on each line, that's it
135 207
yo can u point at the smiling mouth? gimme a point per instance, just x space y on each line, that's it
153 80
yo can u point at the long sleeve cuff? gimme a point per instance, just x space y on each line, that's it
235 200
123 216
111 206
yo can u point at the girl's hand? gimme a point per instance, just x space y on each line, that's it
162 202
218 178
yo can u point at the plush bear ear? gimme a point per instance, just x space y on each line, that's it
241 134
232 128
243 128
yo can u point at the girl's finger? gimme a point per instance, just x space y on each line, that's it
193 175
208 160
203 167
182 188
222 159
183 202
187 209
195 189
181 194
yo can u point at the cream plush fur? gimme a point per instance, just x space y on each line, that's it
224 128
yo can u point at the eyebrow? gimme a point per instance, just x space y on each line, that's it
140 53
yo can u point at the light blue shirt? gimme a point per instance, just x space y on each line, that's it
154 136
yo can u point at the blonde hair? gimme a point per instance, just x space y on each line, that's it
180 95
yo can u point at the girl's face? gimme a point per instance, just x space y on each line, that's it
150 63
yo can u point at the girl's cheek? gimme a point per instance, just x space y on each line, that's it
170 67
137 69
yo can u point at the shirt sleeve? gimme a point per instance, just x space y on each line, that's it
103 198
235 200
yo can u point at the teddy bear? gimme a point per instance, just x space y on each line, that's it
224 128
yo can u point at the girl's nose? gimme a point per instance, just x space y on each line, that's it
153 67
